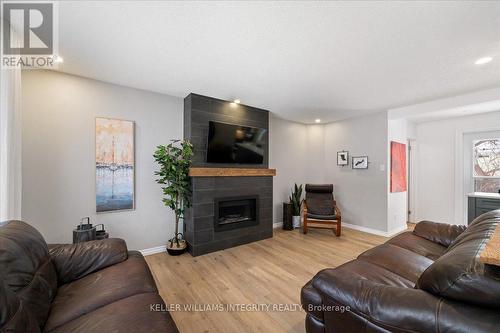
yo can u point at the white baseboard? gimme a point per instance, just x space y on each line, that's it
277 225
153 250
375 231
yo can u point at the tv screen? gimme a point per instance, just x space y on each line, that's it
228 143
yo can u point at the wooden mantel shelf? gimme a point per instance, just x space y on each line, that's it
491 253
231 172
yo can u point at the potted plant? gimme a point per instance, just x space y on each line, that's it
296 201
174 160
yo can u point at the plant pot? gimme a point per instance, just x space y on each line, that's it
296 221
287 216
175 250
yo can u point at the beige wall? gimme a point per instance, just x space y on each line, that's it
59 112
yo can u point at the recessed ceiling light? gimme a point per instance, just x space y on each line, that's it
317 120
237 101
57 59
483 60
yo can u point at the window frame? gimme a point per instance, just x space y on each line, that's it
474 177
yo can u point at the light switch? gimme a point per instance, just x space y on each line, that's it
382 167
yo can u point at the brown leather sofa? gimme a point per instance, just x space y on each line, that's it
428 280
96 286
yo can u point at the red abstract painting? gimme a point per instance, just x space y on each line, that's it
398 167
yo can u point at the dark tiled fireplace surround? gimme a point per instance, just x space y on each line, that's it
201 233
214 196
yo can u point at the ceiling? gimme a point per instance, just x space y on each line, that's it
466 110
300 60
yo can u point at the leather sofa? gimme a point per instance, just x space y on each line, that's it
96 286
428 280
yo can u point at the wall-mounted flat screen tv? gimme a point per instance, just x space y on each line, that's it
228 143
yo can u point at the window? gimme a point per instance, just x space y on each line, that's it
486 165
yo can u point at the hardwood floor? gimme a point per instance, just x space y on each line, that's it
271 271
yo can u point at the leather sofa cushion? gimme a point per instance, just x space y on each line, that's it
365 270
131 314
27 271
398 263
13 316
98 289
392 308
74 261
440 233
381 308
458 274
398 260
408 240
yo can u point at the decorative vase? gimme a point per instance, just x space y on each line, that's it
175 249
296 221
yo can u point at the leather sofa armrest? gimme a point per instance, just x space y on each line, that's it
440 233
74 261
394 308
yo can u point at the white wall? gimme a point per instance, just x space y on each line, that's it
399 130
59 113
308 154
288 144
361 194
440 193
314 156
297 153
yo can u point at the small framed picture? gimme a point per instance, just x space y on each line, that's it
360 162
342 157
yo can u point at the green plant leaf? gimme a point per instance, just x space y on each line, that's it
174 160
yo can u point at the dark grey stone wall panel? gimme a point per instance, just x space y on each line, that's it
199 218
199 110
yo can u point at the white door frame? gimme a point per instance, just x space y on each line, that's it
412 180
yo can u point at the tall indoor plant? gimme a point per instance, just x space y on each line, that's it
174 160
296 201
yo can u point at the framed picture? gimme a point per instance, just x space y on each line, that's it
360 162
114 164
398 167
342 157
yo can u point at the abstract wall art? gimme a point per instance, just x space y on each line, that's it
398 167
114 164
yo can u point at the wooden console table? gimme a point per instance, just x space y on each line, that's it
231 172
491 253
